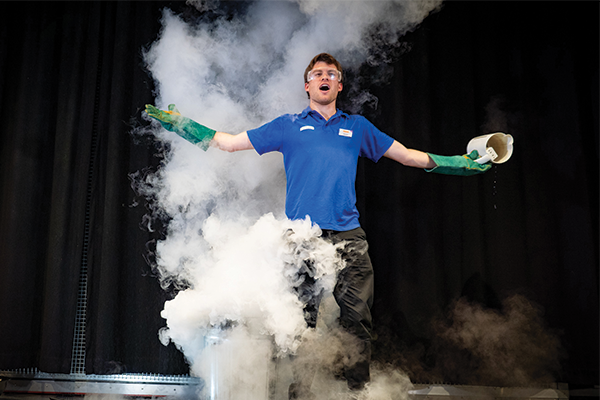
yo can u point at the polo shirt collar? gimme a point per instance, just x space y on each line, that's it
308 110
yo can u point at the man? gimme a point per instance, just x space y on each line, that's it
321 146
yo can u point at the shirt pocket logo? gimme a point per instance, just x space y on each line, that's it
345 132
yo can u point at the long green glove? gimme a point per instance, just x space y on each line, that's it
187 128
458 165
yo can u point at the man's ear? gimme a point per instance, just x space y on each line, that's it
341 87
306 89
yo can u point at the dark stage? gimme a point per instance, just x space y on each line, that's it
509 257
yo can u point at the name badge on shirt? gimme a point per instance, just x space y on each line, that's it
345 132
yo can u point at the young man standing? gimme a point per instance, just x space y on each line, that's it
321 146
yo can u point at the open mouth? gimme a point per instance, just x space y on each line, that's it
324 87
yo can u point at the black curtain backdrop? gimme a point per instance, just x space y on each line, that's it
72 86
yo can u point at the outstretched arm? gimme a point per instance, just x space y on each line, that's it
448 165
409 157
196 133
228 142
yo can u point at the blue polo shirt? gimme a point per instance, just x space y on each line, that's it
320 158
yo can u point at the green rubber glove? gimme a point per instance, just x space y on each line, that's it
458 165
187 128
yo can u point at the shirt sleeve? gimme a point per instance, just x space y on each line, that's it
374 142
267 137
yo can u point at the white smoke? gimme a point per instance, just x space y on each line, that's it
228 245
243 274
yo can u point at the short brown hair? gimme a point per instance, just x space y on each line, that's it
326 58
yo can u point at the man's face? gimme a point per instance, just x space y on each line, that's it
322 89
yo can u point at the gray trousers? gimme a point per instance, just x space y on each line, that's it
353 293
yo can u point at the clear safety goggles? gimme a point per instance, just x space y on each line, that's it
332 74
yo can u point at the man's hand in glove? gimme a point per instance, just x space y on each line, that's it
458 165
187 128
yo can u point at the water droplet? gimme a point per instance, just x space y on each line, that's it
494 191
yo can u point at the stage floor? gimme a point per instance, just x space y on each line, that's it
59 387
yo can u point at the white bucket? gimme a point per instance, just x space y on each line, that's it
495 147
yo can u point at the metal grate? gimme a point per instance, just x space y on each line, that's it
78 354
79 336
